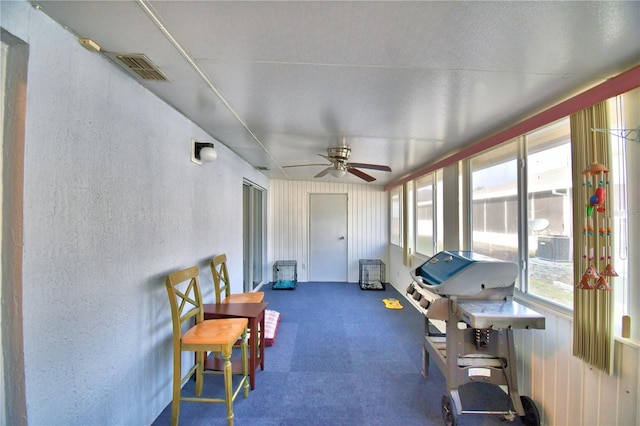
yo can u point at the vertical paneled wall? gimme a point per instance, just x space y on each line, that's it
368 232
569 391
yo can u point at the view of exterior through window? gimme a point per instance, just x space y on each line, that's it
549 213
494 180
495 215
424 215
429 231
623 115
396 216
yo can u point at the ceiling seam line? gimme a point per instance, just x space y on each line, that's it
369 66
148 10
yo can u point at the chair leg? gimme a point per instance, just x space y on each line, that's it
177 378
199 372
244 350
228 385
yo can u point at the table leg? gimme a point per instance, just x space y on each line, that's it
252 352
262 320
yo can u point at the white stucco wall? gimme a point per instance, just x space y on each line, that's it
111 205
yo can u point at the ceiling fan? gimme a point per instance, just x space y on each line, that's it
339 158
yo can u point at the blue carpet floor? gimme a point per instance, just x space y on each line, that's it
341 358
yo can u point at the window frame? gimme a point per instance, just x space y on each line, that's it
531 146
517 149
429 179
396 192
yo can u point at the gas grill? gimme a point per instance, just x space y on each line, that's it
470 315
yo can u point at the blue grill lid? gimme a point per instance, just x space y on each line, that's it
444 265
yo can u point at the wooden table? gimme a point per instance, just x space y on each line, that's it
254 312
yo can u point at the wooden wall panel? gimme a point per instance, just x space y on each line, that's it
590 395
549 366
537 373
561 414
606 402
288 230
568 391
520 341
627 366
576 390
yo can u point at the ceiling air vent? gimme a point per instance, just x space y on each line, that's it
141 66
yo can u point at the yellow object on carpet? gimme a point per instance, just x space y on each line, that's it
392 304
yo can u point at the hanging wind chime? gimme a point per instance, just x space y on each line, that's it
597 244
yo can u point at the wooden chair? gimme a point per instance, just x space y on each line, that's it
204 336
221 284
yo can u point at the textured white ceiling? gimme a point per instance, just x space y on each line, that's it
401 83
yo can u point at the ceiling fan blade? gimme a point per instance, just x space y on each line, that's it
324 172
371 166
306 165
361 174
333 160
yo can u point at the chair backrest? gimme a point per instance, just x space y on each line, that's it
186 303
220 277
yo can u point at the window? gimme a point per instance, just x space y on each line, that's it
549 214
424 215
625 214
429 231
494 197
546 239
396 216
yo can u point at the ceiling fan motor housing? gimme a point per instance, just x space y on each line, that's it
340 154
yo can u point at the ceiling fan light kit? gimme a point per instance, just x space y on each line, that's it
338 170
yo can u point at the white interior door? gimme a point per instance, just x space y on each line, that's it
328 237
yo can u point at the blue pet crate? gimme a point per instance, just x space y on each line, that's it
372 274
285 275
